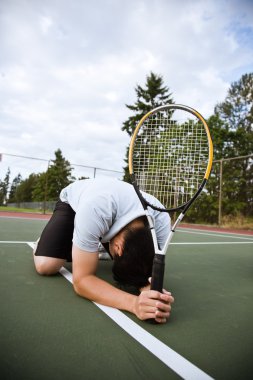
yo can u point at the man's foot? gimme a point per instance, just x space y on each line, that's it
102 253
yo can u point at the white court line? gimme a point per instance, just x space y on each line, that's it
213 231
31 244
214 242
15 242
243 237
169 357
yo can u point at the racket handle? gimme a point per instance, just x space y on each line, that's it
158 273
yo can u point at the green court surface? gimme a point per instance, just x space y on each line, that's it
48 332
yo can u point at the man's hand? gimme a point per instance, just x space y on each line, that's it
153 304
149 304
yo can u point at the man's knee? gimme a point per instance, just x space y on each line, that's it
47 266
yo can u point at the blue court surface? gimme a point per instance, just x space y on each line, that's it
48 332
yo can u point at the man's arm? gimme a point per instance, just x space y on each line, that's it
149 304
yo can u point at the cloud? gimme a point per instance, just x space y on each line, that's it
45 24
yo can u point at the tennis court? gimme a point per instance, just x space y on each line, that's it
48 332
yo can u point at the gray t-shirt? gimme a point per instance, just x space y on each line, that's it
103 207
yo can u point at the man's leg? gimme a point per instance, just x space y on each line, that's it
48 265
54 247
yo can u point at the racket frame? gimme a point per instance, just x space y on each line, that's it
159 257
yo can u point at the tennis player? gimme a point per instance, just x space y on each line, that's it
106 211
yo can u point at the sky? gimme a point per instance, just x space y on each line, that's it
68 69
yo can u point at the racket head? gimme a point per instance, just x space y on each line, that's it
170 156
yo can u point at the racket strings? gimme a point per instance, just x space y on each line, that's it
170 157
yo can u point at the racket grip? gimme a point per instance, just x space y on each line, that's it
158 273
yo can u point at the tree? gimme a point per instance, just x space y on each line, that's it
155 94
206 207
24 192
237 112
15 184
4 187
39 193
231 128
50 183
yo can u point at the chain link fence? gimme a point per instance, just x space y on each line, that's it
26 165
228 196
243 175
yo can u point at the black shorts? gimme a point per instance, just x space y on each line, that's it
56 238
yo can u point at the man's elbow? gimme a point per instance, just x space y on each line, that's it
77 287
81 286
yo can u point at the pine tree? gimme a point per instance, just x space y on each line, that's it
39 193
4 187
232 135
51 182
15 184
237 114
58 176
153 95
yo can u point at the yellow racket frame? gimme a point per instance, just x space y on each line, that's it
168 107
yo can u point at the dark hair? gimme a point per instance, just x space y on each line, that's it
134 266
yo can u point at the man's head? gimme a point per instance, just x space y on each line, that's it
133 252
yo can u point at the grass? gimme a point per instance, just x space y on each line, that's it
20 209
238 222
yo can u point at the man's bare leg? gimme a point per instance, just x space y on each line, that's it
47 265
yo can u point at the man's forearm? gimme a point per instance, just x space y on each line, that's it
100 291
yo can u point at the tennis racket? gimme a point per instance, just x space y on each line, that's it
170 157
